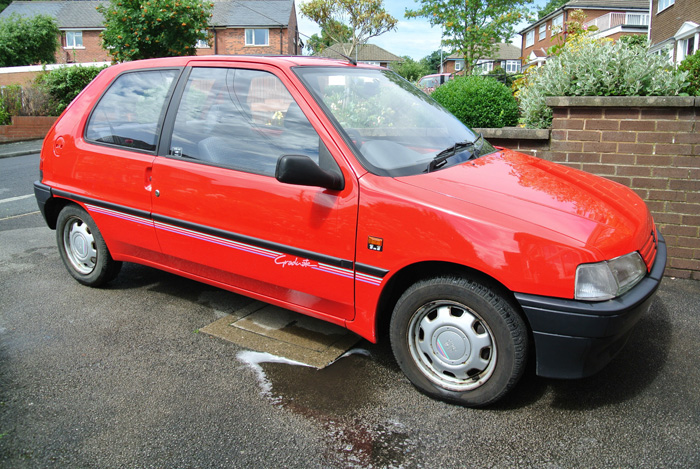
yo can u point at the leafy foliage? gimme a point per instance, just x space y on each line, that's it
574 28
550 7
478 101
502 76
588 67
333 29
365 18
474 27
16 100
410 69
136 29
691 65
64 84
26 41
433 61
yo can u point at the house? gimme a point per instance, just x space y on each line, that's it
675 28
237 27
364 53
505 56
612 18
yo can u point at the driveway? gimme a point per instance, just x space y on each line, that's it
122 376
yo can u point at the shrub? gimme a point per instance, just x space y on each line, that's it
478 101
691 65
18 101
27 41
65 83
586 67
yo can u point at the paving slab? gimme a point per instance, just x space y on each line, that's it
281 332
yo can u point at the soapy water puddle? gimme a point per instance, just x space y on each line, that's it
335 397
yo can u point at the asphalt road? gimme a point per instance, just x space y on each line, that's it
121 377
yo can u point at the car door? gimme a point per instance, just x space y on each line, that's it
221 215
112 171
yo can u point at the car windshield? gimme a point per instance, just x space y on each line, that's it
397 129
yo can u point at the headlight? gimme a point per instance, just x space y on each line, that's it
608 279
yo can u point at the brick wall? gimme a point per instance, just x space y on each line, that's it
666 23
91 51
650 144
26 128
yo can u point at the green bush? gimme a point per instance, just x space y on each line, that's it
691 64
5 117
65 83
26 41
478 101
586 67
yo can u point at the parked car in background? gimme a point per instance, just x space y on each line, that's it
429 82
343 192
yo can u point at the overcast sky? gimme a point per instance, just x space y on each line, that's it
413 37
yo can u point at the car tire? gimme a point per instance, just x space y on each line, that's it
459 341
82 248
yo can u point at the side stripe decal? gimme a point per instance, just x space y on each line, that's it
320 262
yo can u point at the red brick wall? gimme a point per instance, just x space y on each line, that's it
650 144
26 128
232 41
92 50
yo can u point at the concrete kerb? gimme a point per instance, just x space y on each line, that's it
12 149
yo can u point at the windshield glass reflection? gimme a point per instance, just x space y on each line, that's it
396 129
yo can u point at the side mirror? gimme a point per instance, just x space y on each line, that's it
302 170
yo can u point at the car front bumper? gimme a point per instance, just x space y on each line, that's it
575 339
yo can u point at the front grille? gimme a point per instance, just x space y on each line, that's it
648 251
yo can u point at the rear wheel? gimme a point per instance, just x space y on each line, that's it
82 248
459 340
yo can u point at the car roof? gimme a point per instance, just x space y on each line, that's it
282 61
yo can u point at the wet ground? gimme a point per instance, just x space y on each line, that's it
123 376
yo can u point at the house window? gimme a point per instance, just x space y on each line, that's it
459 65
685 48
530 38
203 43
558 23
663 4
512 66
74 40
370 62
543 31
484 67
257 37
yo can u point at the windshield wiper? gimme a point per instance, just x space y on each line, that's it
441 158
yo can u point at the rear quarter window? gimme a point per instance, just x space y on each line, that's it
129 112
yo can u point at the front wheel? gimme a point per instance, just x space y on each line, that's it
458 340
82 248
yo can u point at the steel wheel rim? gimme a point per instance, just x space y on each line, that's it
79 244
452 345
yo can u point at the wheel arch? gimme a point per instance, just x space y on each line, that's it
53 207
407 276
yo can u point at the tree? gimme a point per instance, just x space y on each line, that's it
550 7
316 43
473 27
136 29
434 60
410 69
26 41
4 4
365 18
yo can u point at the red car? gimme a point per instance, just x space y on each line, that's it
343 192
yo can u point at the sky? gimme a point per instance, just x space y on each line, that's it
413 37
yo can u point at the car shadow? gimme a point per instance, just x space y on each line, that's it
636 367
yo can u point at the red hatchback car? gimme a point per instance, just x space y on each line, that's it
343 192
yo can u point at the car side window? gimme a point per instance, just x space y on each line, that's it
241 119
128 113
